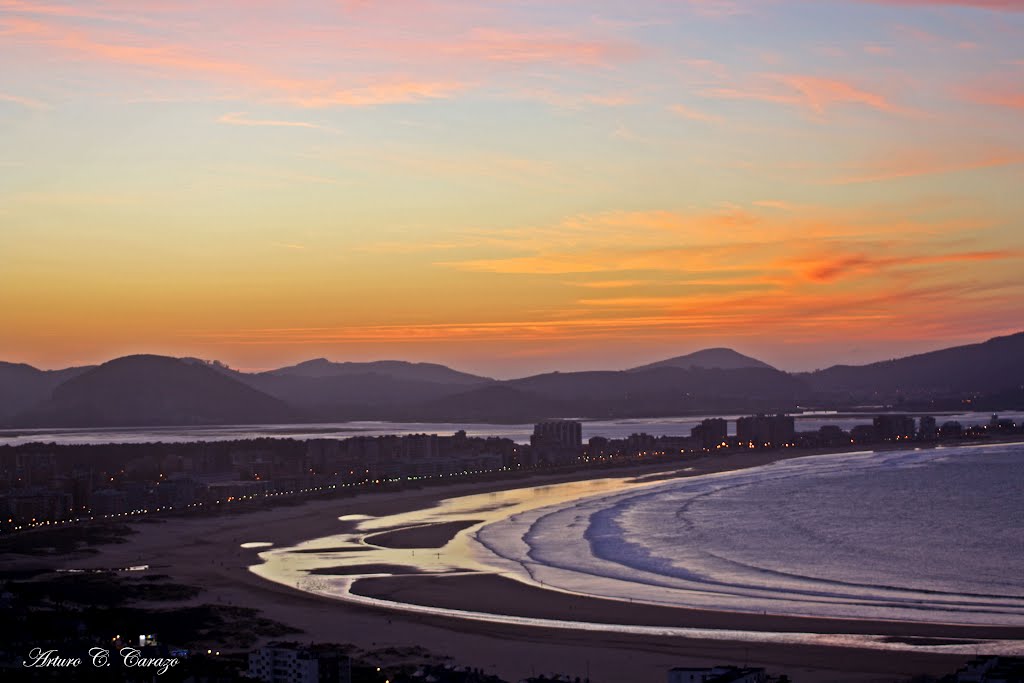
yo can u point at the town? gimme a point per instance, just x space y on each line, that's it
48 485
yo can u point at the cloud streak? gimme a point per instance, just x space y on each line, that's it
242 119
27 102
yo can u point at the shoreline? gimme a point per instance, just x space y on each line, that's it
510 597
485 593
205 551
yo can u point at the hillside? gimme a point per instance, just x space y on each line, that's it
156 390
395 369
992 367
708 359
23 386
153 390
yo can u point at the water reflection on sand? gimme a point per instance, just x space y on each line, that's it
293 566
330 566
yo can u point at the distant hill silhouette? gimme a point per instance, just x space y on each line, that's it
723 359
23 386
156 390
994 366
153 390
396 369
328 391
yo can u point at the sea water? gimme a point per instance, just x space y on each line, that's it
923 535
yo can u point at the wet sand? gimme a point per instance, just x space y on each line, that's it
426 536
206 552
497 594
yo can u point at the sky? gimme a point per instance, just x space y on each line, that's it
509 186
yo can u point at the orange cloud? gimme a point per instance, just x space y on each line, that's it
1013 99
23 101
549 47
693 114
368 95
828 268
811 92
932 161
241 119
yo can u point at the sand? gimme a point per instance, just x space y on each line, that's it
206 552
500 595
426 536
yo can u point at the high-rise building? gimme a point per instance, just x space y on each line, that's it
894 427
928 428
285 663
711 433
766 430
558 433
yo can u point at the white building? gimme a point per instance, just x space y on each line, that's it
718 674
283 663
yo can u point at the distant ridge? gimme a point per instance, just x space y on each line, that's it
720 358
23 386
148 390
397 369
991 367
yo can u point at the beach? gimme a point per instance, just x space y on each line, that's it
206 552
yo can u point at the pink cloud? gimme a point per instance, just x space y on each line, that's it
693 114
28 102
818 94
388 53
504 46
1002 97
242 119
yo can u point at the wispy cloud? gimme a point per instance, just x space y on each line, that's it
829 267
242 119
1008 96
688 112
28 102
910 163
498 45
814 93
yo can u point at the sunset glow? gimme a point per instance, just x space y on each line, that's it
509 187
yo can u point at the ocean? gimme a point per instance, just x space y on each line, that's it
923 535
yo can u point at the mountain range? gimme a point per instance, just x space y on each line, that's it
147 390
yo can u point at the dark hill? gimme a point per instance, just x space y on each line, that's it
396 369
23 386
643 393
992 367
327 391
720 358
153 390
366 396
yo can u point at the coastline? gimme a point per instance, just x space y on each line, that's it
206 552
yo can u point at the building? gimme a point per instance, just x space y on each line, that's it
710 433
558 433
641 444
894 427
1004 425
290 663
863 434
951 430
928 429
765 431
717 674
36 504
109 502
832 435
